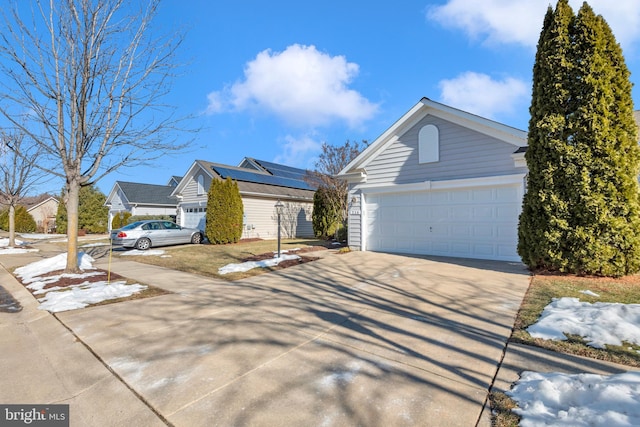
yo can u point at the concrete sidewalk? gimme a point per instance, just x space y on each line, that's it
356 339
43 363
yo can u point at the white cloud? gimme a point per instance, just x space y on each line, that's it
480 94
520 21
299 151
301 85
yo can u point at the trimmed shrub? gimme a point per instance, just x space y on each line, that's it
24 222
326 213
224 212
120 219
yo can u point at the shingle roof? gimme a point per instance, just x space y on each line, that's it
149 194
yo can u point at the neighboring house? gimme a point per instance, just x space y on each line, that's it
142 199
43 209
261 185
440 181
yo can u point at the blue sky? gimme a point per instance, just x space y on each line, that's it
273 80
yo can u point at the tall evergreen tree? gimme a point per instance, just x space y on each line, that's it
224 212
93 215
326 215
543 222
604 233
580 212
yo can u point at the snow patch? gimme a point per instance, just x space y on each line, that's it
249 265
599 323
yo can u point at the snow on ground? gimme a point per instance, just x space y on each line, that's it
4 241
249 265
6 250
557 399
41 236
58 299
584 399
14 251
90 245
150 252
599 323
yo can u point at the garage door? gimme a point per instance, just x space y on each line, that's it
195 218
469 223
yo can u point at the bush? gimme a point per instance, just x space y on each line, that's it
326 215
224 212
342 234
24 222
135 218
93 215
120 219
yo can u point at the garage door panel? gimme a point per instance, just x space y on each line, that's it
471 222
483 196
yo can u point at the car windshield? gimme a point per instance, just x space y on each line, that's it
131 226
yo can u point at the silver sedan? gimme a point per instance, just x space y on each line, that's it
143 235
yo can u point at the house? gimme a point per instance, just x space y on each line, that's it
439 181
43 209
261 185
142 199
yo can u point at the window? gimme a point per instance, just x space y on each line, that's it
200 185
428 144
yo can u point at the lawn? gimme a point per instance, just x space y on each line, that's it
206 259
542 290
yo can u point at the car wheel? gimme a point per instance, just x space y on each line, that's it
143 244
196 239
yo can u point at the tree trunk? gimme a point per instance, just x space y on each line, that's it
72 202
12 226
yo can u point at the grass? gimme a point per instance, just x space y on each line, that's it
206 259
543 289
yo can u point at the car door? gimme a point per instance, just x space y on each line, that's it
175 234
157 233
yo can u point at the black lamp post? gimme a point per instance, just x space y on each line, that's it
279 206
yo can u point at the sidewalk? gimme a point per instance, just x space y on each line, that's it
43 363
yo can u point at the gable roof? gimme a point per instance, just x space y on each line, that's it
508 134
38 201
257 177
144 194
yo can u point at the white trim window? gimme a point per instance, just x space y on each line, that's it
428 144
200 185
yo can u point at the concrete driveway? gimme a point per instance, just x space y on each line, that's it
355 339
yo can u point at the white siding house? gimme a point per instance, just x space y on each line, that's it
441 182
261 185
141 199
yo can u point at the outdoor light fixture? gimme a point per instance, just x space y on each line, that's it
279 207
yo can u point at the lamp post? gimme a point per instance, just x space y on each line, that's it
279 206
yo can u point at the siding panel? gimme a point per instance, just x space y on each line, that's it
464 153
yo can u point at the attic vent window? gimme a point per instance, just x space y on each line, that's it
200 185
428 144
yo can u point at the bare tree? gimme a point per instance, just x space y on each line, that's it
86 80
18 173
332 160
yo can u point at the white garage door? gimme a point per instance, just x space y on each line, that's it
469 223
194 218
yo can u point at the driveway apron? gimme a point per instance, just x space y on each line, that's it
354 339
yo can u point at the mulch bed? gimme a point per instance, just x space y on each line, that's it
290 262
65 281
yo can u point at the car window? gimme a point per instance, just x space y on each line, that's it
171 225
146 226
132 225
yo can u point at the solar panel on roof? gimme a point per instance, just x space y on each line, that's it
260 178
283 170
